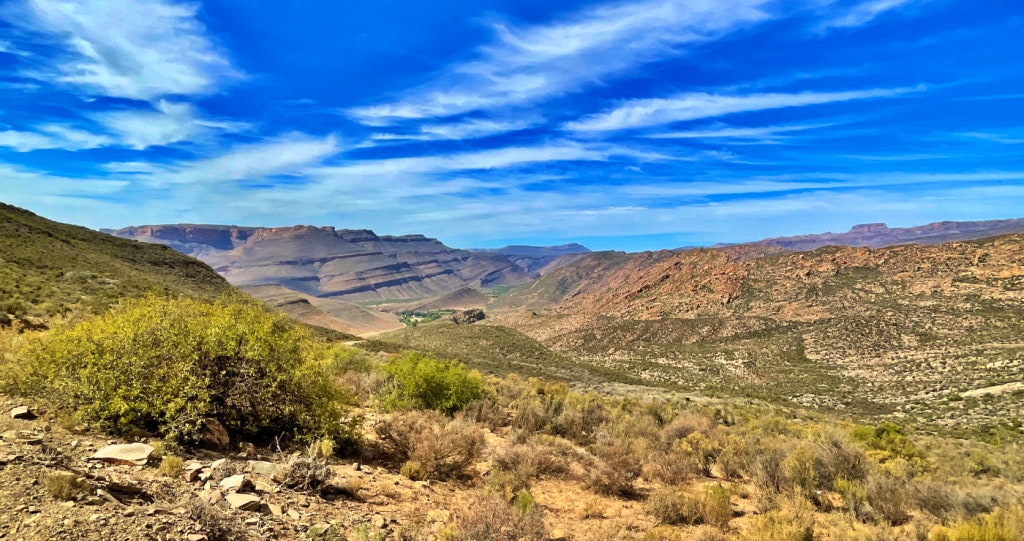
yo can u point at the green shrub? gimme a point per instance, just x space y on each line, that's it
423 382
792 521
676 506
164 365
673 505
888 440
171 466
1000 525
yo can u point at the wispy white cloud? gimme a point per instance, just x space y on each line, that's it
526 64
287 155
642 113
1010 138
141 49
769 134
472 128
812 181
166 123
841 15
499 158
52 136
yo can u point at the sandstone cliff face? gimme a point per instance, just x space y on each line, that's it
351 265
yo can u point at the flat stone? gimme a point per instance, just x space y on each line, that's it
275 509
237 483
136 454
22 412
378 521
266 469
557 535
294 515
197 537
243 502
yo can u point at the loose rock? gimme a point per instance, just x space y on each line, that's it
22 412
237 483
243 502
131 454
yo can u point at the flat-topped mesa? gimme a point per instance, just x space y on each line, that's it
354 264
219 237
869 228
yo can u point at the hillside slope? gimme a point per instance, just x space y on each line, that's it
904 331
331 314
49 268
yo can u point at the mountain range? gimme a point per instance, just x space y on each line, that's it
350 265
349 280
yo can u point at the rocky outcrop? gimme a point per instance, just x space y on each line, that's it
468 316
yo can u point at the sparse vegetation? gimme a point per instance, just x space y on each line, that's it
493 518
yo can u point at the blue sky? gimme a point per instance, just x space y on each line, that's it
622 125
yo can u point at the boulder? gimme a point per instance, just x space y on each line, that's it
136 454
214 435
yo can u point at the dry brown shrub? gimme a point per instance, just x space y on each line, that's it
65 486
678 506
684 424
429 445
486 412
838 458
308 474
492 518
887 497
674 505
616 466
214 524
792 521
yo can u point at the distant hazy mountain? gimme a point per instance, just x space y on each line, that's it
880 235
352 265
540 259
